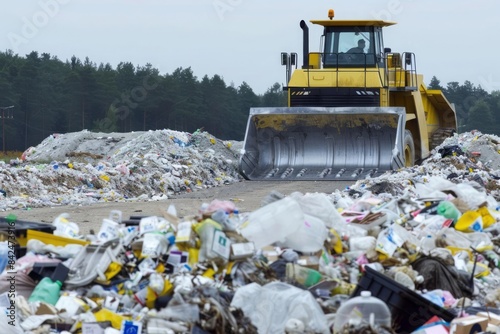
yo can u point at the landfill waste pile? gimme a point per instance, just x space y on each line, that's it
85 167
412 251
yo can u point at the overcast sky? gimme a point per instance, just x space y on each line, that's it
241 40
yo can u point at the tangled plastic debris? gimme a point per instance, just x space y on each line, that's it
424 240
85 167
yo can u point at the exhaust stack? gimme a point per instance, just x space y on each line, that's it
305 42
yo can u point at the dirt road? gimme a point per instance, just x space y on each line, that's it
247 195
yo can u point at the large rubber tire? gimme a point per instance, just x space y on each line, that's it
409 149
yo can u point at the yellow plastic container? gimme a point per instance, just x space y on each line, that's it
488 219
55 240
470 221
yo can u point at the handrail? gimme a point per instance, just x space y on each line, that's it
355 66
401 65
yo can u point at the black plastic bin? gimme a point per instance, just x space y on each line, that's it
21 232
409 310
21 227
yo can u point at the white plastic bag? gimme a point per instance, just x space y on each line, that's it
319 205
271 306
10 324
310 236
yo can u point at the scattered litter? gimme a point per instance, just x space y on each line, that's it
85 167
419 245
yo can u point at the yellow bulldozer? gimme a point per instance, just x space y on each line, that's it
355 110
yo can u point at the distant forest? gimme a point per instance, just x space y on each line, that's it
53 96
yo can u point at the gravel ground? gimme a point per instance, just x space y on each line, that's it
247 195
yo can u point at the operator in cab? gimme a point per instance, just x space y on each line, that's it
358 49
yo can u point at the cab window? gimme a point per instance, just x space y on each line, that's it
349 46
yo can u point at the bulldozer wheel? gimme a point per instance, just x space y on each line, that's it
440 135
409 149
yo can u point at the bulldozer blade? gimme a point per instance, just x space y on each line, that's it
316 143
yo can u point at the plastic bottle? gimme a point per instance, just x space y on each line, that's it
46 291
362 310
222 217
206 230
427 244
65 228
109 230
302 275
354 275
235 218
448 210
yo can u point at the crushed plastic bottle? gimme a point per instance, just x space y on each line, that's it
427 244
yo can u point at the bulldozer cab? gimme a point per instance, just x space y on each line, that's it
353 46
348 44
355 110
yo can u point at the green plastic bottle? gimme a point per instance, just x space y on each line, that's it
46 291
302 275
448 210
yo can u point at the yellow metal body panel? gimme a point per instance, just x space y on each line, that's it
439 113
315 60
342 77
397 78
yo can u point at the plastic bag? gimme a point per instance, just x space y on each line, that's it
310 236
320 206
181 311
364 244
431 225
10 323
273 222
269 307
216 204
451 237
463 191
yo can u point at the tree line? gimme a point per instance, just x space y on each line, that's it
54 96
476 109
